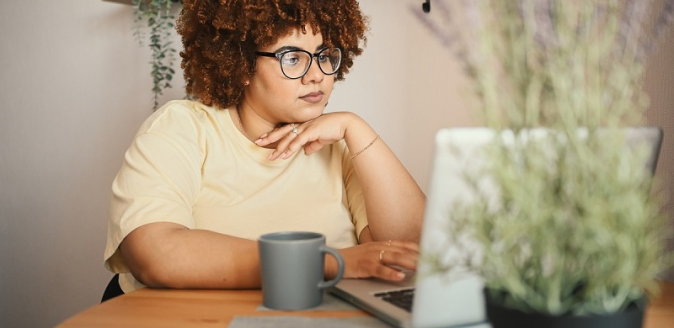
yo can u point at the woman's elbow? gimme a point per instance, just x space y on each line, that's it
146 262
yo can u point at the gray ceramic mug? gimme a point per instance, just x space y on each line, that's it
292 269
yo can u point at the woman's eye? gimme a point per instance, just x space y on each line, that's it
290 59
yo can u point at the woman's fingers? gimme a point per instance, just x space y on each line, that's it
288 138
314 146
283 135
283 149
382 260
388 273
292 143
405 244
399 259
278 134
311 135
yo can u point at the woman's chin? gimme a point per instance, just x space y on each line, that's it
311 112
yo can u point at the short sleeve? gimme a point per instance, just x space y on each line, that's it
159 179
354 193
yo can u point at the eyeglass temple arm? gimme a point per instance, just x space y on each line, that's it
266 54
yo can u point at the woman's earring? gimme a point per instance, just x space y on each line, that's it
246 83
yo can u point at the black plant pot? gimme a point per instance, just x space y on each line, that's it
502 317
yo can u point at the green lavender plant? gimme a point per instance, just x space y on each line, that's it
160 21
575 227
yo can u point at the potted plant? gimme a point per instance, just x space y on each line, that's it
575 234
158 18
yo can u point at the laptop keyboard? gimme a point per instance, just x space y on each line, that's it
401 298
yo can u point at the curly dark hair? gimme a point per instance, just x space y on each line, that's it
220 38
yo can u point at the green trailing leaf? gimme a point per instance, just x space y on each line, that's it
160 21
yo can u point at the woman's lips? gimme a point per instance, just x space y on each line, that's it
313 97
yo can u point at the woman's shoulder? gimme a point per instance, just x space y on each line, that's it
182 114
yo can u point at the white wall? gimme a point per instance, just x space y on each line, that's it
659 84
405 84
74 86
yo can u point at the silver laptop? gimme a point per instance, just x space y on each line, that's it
455 300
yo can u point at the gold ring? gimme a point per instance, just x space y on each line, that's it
381 255
294 130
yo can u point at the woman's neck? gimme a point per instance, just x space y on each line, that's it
248 128
239 124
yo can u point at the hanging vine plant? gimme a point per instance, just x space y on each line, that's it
157 17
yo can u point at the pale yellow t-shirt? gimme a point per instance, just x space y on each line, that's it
190 165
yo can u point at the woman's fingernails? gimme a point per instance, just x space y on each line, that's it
400 275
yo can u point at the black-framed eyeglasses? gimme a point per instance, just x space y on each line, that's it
295 63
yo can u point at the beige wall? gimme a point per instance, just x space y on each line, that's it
74 87
659 84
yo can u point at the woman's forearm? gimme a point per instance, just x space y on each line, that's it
394 201
168 255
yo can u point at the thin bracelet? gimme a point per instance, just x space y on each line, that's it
366 147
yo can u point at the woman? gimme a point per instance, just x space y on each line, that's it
256 154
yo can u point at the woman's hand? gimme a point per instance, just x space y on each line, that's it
363 261
311 135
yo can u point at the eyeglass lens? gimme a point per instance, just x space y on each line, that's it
295 63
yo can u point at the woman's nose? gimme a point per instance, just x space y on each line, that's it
314 74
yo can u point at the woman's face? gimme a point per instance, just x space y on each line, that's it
277 99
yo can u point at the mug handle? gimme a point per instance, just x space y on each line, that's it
340 266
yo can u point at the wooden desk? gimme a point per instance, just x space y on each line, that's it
150 308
